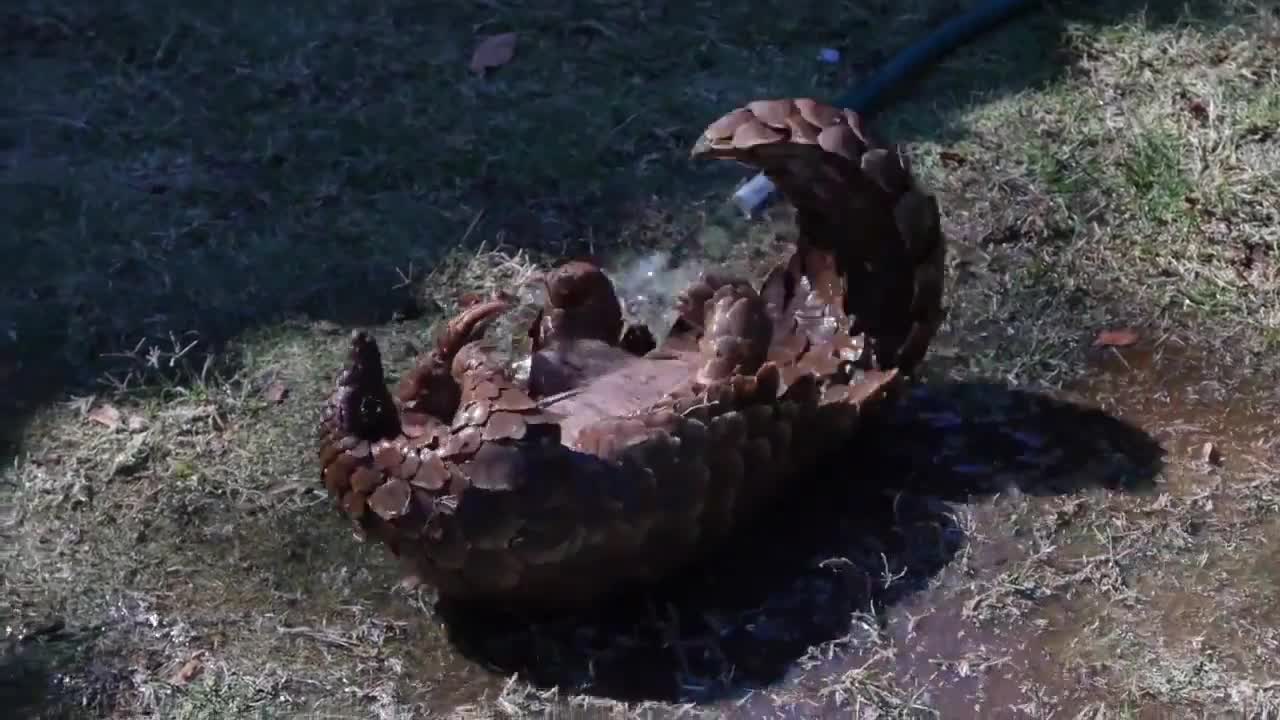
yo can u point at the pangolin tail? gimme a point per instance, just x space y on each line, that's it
857 202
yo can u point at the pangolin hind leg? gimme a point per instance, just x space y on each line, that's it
428 393
856 200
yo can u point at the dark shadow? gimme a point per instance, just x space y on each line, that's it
47 674
297 185
795 578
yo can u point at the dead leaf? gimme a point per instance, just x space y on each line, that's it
136 423
493 51
189 670
106 415
276 392
1118 337
950 157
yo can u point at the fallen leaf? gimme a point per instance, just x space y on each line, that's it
493 51
136 423
277 392
106 415
950 157
189 670
1119 337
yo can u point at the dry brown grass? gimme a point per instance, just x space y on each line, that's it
197 203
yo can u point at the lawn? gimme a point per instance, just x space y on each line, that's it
198 202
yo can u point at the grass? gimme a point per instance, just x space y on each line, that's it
198 202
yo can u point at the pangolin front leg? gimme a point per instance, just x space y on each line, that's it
580 332
428 393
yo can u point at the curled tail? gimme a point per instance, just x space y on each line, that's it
857 201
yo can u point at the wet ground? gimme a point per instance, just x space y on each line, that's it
1022 555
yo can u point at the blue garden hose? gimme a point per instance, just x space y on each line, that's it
756 193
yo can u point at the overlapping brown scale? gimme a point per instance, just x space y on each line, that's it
487 390
773 113
497 467
513 399
753 132
474 412
425 503
504 426
488 519
780 435
337 474
857 123
365 479
727 125
885 167
550 540
626 491
353 504
658 453
837 417
392 500
803 132
610 437
918 221
817 113
328 451
409 467
875 384
462 444
728 470
432 473
387 456
840 140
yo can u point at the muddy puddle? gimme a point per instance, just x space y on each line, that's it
1186 398
954 586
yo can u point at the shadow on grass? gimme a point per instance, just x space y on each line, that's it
32 667
245 165
871 535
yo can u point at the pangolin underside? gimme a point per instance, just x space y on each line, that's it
622 459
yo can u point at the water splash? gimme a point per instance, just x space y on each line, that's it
648 286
